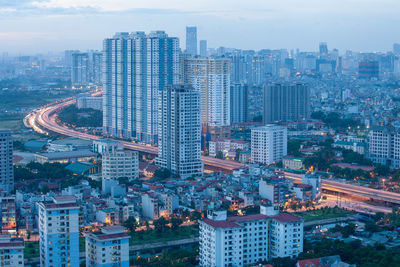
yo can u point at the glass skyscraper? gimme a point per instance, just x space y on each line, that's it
191 40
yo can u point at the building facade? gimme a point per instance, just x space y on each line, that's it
59 232
211 77
120 163
203 48
6 161
191 40
179 147
136 68
87 101
80 69
286 102
384 145
246 240
268 144
107 247
239 103
12 251
8 209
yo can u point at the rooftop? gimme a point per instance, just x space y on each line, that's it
68 154
286 217
220 224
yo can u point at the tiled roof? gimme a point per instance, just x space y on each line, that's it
286 217
250 217
11 244
309 263
220 224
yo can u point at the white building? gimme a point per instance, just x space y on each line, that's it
80 69
12 251
211 77
268 144
245 240
137 66
107 247
85 100
384 145
227 145
102 146
293 163
120 163
150 206
179 147
59 232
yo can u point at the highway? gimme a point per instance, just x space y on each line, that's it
46 118
356 190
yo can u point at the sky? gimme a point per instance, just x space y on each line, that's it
41 26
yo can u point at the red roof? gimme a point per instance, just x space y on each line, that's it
309 263
286 217
12 244
250 217
303 185
220 224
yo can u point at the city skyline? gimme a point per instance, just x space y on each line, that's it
42 26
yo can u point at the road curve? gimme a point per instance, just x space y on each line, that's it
46 118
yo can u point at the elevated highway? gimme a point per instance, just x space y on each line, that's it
45 119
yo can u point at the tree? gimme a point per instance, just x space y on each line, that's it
175 222
371 227
162 173
160 225
130 224
195 216
293 147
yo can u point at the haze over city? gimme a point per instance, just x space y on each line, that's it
53 25
199 133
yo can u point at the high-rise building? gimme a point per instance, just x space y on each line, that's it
368 69
6 161
239 103
286 102
68 58
203 48
96 71
191 40
323 49
80 69
179 147
136 68
268 144
107 247
384 145
396 49
12 251
246 240
211 77
59 232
